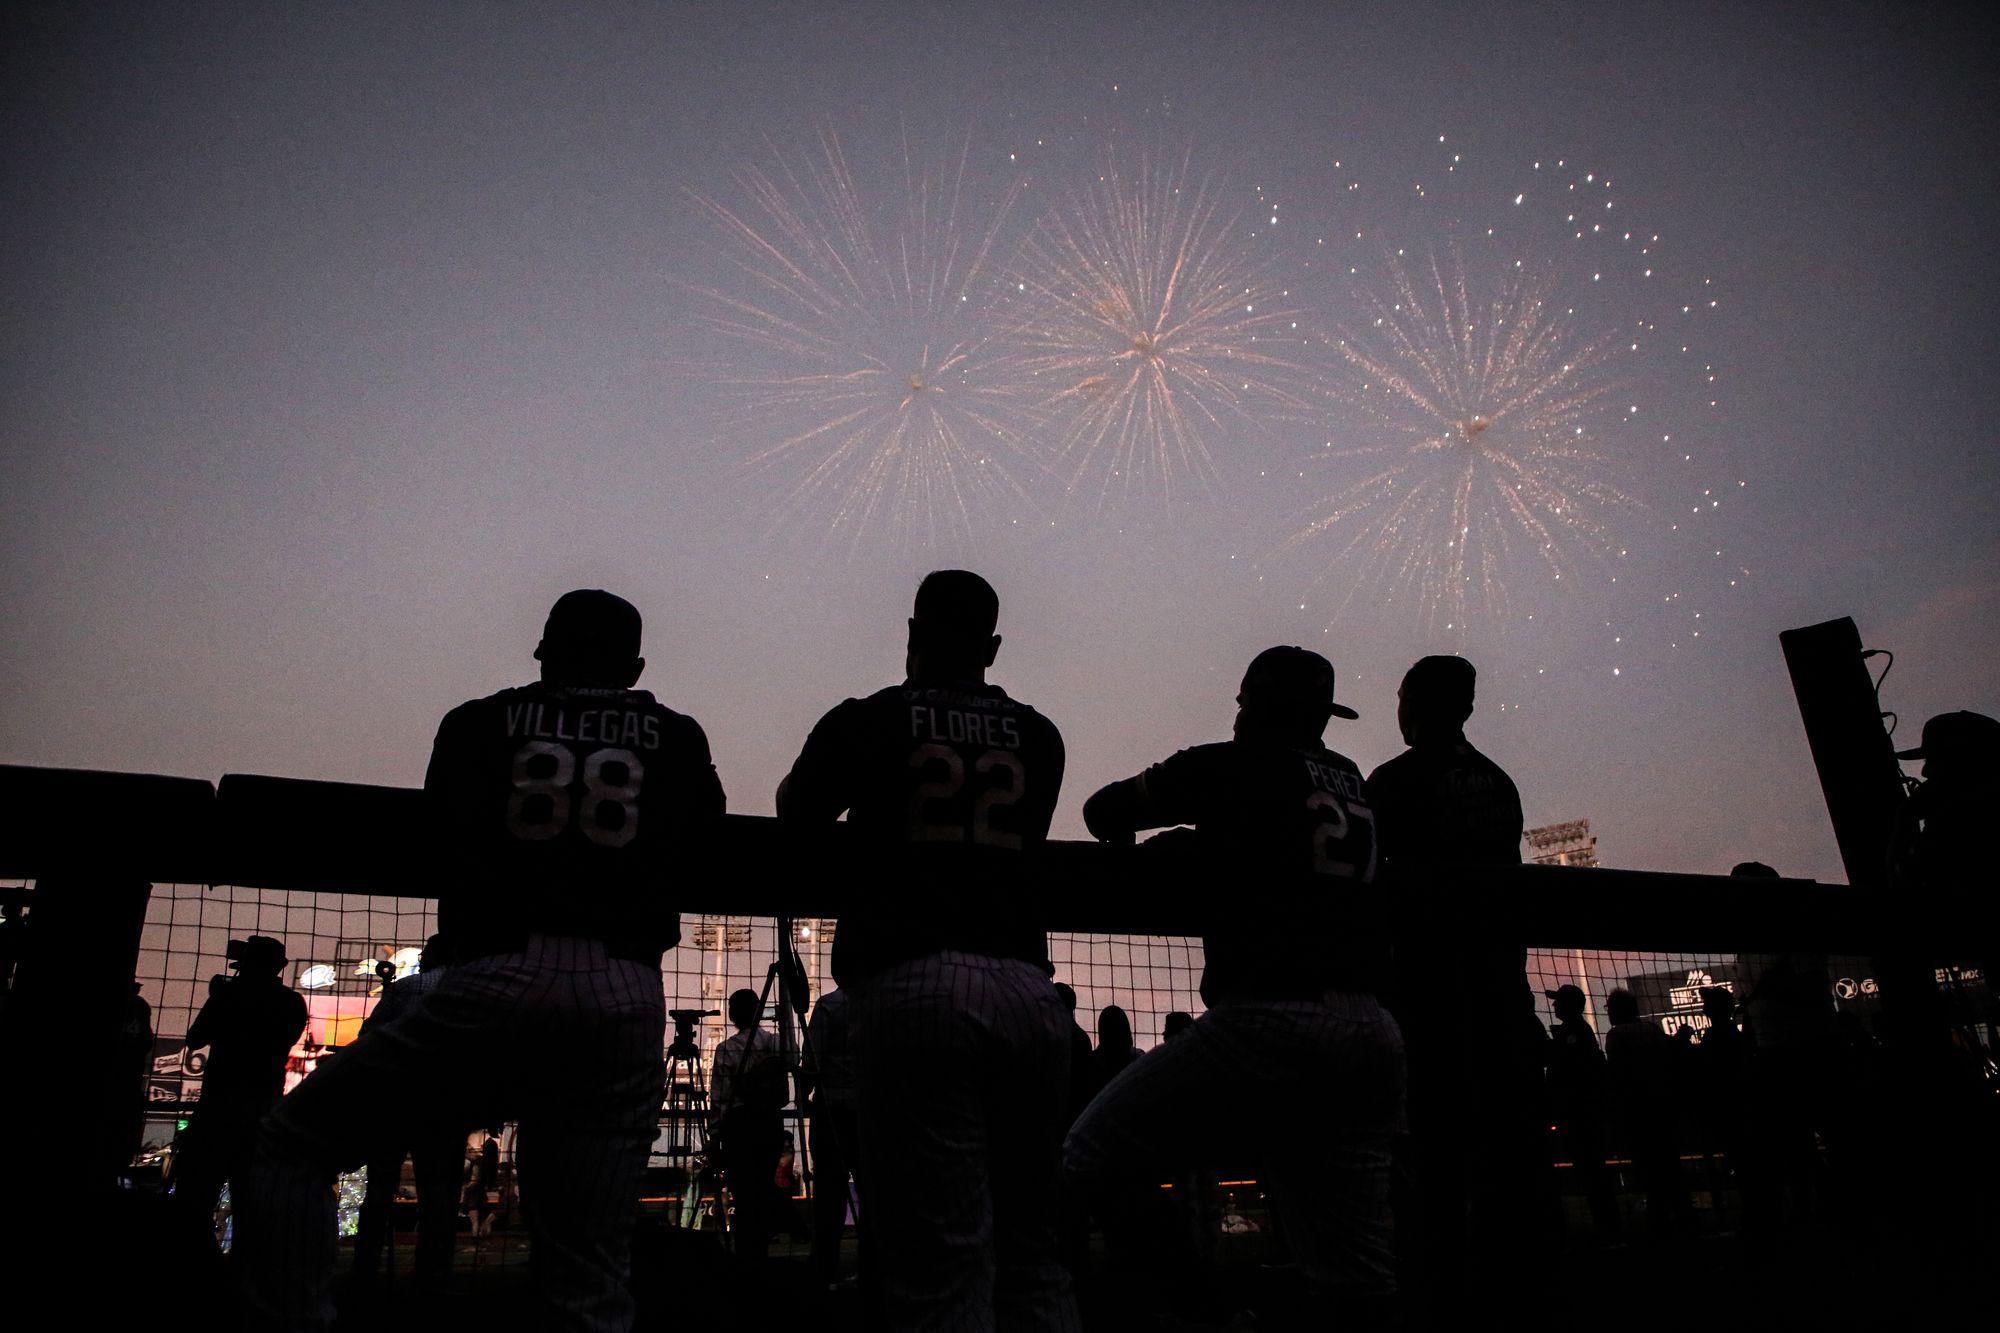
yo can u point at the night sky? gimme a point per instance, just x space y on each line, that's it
340 339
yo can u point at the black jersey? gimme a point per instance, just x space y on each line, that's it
1288 840
1446 804
561 809
952 786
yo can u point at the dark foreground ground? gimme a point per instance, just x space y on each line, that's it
1828 1272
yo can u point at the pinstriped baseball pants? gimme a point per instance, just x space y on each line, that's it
961 1067
1279 1072
561 1038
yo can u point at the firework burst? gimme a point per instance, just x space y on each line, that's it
1149 330
868 379
1483 413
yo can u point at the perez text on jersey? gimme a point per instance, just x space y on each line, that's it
1287 845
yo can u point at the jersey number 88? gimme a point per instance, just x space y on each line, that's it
539 806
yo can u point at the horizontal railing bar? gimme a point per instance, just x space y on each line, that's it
298 834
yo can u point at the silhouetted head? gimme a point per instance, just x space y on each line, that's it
745 1009
591 638
1623 1006
1752 870
1068 994
1114 1029
1177 1022
951 627
1287 695
1956 745
1718 1003
1435 699
436 954
261 955
1567 1001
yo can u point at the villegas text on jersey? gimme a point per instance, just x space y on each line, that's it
611 726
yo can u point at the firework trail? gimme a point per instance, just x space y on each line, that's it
1149 331
1483 412
869 378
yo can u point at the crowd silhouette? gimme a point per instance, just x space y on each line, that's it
1006 1171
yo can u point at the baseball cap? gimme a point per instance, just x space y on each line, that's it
1293 676
1561 993
592 623
1960 732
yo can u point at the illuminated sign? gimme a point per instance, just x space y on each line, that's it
1673 999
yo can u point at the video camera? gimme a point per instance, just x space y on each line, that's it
683 1047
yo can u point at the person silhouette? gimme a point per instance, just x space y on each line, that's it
1447 812
1442 802
748 1095
1293 1037
1115 1048
1640 1066
249 1024
1082 1056
960 1041
557 811
1722 1072
1939 848
1576 1102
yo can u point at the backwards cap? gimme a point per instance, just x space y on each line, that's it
592 623
1293 677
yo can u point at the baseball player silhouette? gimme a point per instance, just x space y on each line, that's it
559 811
1295 948
960 1042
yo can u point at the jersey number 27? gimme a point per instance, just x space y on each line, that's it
1333 824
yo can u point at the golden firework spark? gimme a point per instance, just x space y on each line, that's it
869 378
1151 330
1483 415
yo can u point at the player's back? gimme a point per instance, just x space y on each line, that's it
564 810
1446 803
1286 844
949 788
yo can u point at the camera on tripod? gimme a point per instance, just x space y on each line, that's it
683 1047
